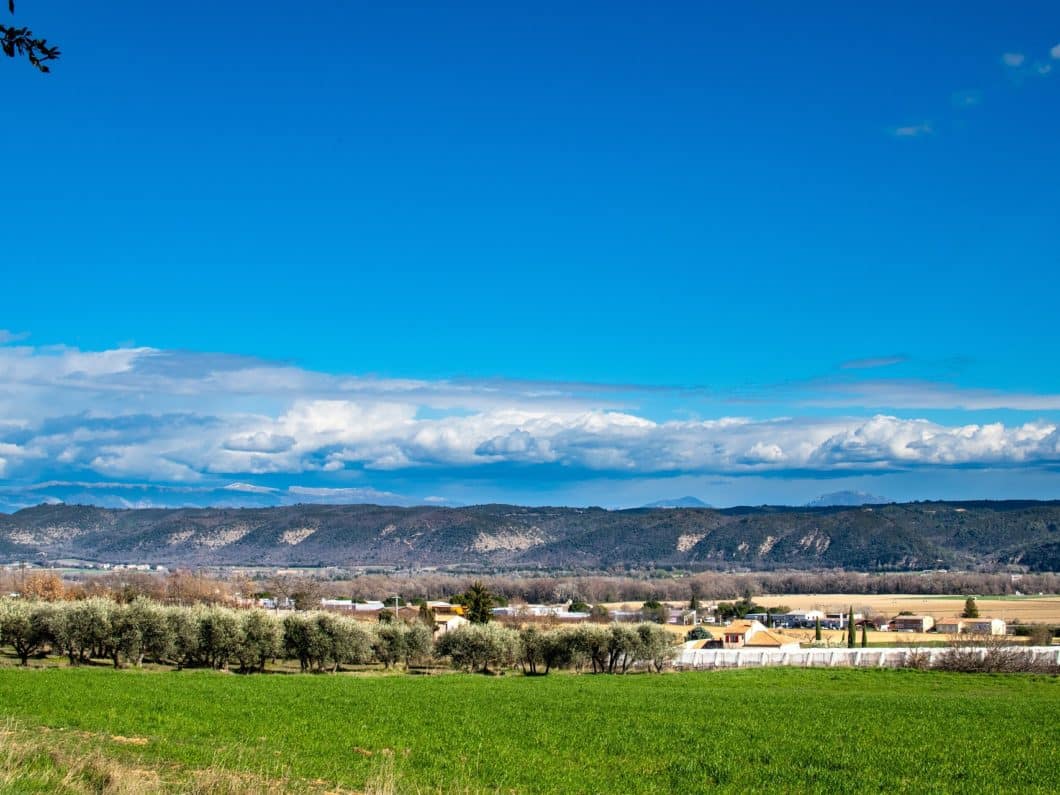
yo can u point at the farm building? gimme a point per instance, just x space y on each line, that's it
912 623
799 618
950 626
985 626
839 620
681 615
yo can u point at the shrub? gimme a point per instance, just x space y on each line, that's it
991 654
698 633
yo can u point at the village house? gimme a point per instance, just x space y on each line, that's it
447 623
912 623
752 634
445 608
771 639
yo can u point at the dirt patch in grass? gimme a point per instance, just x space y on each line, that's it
40 759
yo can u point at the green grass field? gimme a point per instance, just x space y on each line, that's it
787 729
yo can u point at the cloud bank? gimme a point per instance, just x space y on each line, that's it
209 421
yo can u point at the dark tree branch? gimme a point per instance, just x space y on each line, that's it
20 41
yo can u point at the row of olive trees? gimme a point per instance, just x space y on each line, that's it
222 638
201 636
603 649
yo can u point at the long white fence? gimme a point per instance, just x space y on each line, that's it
836 658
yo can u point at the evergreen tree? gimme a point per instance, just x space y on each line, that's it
851 636
864 635
817 628
426 615
971 609
479 603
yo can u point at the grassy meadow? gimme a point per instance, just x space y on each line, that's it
789 729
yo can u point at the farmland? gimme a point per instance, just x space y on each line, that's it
1014 609
865 730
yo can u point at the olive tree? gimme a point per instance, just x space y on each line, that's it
590 643
348 642
389 643
218 636
321 640
477 647
419 643
81 629
182 625
24 627
655 646
532 644
257 640
138 629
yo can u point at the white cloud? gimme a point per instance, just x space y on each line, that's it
966 99
346 495
259 442
1055 52
148 415
873 362
913 130
1013 59
7 336
249 488
912 394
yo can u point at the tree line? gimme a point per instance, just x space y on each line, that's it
247 640
674 586
183 587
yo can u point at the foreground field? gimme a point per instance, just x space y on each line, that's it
807 730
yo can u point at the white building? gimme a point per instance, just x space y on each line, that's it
985 626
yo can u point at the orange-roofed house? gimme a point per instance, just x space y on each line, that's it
754 634
771 639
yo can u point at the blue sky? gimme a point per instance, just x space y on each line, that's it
557 222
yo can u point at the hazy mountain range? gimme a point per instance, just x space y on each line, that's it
679 502
848 498
893 536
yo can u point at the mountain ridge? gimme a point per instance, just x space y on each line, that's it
1024 535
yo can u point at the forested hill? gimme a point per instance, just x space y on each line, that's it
894 536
